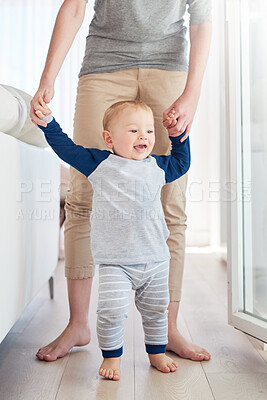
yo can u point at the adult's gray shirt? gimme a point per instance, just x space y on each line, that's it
126 34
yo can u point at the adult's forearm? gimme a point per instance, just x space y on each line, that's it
68 22
179 116
200 38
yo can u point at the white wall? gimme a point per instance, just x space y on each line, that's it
25 31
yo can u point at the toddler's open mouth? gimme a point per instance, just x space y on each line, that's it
140 148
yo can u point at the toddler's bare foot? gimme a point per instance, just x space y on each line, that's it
182 348
162 362
110 368
73 335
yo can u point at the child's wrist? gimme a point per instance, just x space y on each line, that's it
48 118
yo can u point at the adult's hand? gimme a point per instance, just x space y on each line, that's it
179 116
46 93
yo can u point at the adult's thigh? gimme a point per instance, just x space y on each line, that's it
159 89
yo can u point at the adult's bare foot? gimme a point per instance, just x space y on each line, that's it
162 362
74 335
110 368
177 344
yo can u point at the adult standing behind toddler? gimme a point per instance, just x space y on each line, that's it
134 50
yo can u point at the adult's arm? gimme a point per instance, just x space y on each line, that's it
185 106
68 22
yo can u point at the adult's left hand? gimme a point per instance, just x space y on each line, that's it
178 118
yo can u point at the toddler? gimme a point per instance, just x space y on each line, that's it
129 231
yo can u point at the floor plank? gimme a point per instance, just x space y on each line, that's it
239 386
23 377
205 314
237 369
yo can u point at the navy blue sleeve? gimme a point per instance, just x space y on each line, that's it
83 159
178 162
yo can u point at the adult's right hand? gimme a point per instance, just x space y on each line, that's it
46 92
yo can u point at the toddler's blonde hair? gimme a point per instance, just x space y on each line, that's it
116 108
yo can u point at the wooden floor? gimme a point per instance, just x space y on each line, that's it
237 369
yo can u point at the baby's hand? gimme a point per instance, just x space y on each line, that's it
42 110
172 121
170 118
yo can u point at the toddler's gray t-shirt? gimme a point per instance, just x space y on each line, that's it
126 34
127 219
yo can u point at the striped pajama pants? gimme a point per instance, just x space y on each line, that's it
150 282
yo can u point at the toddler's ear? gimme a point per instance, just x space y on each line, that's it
107 139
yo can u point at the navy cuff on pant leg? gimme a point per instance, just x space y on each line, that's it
112 353
155 348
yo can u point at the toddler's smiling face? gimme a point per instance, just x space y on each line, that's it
131 133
